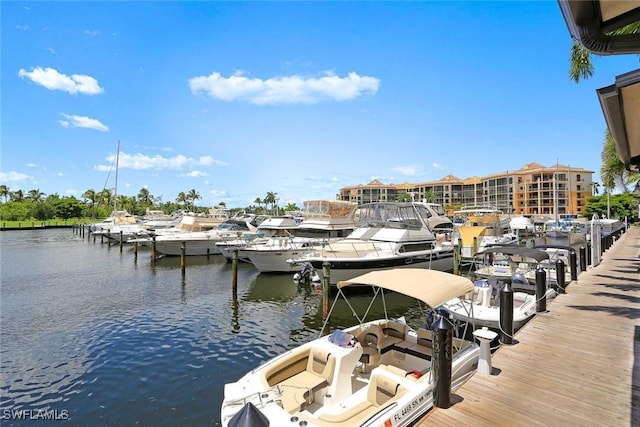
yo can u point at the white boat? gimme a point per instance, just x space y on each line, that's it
197 243
557 228
323 221
555 253
503 262
375 373
478 228
388 235
522 225
482 306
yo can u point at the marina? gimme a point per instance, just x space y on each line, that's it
98 333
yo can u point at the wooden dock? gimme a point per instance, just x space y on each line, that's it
577 364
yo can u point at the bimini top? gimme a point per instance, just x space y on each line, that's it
432 287
536 254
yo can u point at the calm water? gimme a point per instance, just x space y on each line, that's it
97 336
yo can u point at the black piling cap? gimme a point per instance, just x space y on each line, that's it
249 416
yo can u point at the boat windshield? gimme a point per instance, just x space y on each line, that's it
393 215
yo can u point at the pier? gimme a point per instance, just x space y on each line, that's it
577 364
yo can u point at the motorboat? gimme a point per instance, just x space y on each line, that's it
374 373
522 225
323 221
197 243
477 228
388 235
482 306
554 253
502 262
557 228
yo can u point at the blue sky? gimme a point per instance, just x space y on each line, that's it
236 99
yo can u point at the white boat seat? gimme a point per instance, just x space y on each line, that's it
371 338
380 391
298 390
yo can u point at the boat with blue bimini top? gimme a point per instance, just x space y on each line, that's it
374 373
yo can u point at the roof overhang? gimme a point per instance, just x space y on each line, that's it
620 104
592 23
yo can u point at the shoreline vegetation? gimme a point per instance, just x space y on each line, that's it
51 223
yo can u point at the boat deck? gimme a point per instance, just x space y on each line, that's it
577 364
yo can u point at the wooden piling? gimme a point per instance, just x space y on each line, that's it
234 270
183 251
326 283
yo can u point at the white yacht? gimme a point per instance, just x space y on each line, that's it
388 235
323 221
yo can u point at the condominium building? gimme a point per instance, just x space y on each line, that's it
531 190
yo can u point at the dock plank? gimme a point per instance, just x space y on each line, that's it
572 365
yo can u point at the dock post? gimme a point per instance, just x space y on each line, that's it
475 246
506 314
135 251
153 250
441 363
121 238
560 282
208 253
456 260
234 270
583 259
573 265
541 290
485 336
326 283
183 252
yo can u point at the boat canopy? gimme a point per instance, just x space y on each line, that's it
562 247
432 287
536 254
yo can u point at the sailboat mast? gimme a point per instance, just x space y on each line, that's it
115 190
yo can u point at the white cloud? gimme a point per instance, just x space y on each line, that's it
410 170
218 193
14 177
194 174
284 90
143 162
53 80
32 165
437 166
91 33
82 122
23 27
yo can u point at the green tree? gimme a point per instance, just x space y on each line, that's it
69 207
404 197
35 195
183 199
145 198
595 188
193 195
4 192
270 199
17 196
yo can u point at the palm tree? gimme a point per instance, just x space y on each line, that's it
145 198
258 201
595 188
404 197
182 198
91 196
17 196
35 195
193 195
4 192
270 198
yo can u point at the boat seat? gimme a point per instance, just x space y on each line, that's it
298 391
371 338
394 332
380 391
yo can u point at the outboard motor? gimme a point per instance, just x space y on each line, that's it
304 275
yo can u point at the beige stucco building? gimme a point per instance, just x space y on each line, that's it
531 190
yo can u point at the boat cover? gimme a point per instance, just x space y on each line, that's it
536 254
429 286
